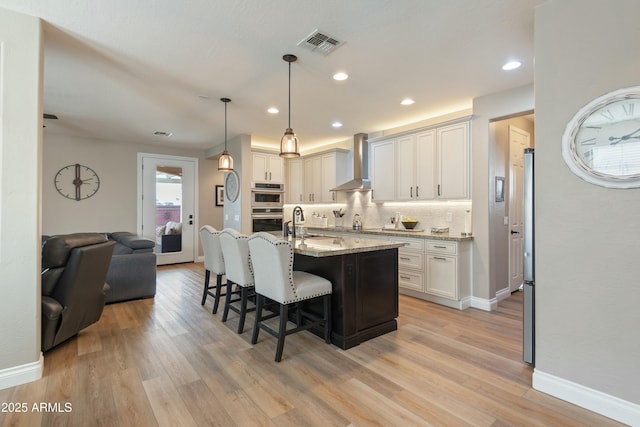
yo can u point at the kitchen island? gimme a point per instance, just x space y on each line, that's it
364 276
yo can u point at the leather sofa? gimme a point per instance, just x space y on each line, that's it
132 273
74 288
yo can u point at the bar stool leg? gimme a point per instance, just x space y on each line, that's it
216 300
227 301
207 275
243 307
256 324
327 318
282 331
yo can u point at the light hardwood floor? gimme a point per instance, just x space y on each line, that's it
168 361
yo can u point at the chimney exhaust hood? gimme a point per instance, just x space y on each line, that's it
360 181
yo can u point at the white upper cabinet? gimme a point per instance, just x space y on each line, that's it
426 164
383 171
416 166
295 181
453 161
311 178
267 167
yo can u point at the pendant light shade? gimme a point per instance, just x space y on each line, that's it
225 162
289 142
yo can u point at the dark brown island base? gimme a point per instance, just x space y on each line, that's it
364 274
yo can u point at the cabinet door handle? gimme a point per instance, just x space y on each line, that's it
405 277
300 196
438 189
417 192
405 258
265 176
439 258
269 176
411 192
333 196
440 247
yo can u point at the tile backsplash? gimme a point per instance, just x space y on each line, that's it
375 215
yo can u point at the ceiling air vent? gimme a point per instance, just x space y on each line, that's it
320 42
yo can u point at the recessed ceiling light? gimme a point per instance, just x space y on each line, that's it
273 110
511 65
162 133
340 76
336 124
407 101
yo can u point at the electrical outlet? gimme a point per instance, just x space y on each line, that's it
449 217
506 220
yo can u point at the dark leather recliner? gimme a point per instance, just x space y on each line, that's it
74 288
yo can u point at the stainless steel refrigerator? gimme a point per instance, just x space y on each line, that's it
529 324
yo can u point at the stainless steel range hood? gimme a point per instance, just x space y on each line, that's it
360 181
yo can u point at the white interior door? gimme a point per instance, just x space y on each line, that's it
518 141
167 205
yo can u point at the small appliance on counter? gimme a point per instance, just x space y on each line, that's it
357 222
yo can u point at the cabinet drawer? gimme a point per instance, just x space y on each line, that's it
411 280
410 259
413 244
442 246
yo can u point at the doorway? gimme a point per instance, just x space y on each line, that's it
510 135
519 139
167 205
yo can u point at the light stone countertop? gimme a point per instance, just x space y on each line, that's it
322 246
423 234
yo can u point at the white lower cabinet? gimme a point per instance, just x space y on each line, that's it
434 270
443 278
411 264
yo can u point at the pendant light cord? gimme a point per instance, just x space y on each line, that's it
225 126
289 95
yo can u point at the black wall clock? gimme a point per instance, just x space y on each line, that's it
77 182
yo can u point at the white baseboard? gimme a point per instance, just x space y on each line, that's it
588 398
484 304
503 293
22 374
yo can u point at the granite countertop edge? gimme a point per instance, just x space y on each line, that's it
396 233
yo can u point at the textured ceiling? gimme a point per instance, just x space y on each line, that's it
122 69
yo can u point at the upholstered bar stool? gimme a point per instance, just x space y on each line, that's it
213 262
235 250
272 260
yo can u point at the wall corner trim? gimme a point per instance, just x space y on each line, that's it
21 374
588 398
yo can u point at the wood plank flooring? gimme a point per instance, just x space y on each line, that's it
168 361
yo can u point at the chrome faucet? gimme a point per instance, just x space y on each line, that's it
297 209
285 229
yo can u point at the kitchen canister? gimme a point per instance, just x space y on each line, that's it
467 223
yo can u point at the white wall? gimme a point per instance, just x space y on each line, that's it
587 245
20 154
114 206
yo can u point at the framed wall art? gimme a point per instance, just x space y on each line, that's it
499 189
219 195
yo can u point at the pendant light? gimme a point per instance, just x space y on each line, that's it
289 142
225 162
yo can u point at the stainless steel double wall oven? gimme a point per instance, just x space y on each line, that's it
267 201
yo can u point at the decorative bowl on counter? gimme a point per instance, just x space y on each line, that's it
409 225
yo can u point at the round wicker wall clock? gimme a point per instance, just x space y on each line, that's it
77 182
601 143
